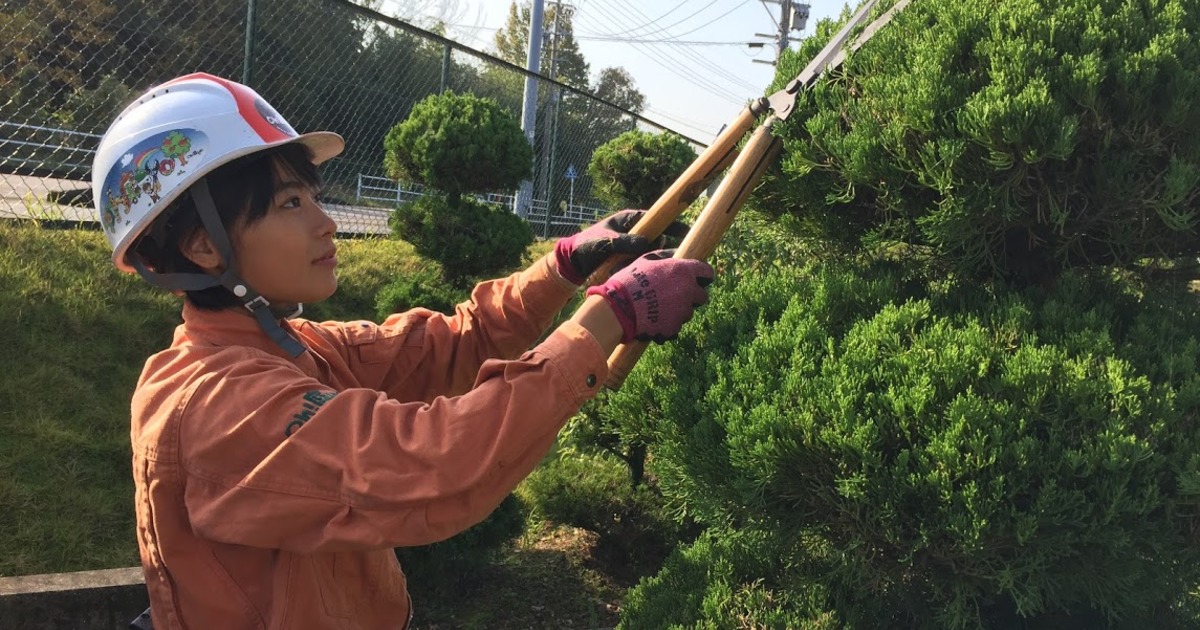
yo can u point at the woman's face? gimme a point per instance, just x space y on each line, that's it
289 255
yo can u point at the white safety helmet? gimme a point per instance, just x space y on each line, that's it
174 135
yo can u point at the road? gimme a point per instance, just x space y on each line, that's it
26 197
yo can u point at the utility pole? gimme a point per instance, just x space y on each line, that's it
793 16
533 63
549 139
785 27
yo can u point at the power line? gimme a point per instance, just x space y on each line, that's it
771 15
707 64
650 23
676 68
607 38
659 41
714 20
669 26
683 122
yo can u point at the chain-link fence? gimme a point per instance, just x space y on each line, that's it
67 68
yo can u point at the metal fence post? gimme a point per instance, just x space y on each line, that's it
247 62
446 67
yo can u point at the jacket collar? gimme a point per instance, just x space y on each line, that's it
233 326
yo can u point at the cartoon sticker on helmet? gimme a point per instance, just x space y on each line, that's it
144 171
272 117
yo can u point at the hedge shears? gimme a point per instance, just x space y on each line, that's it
746 168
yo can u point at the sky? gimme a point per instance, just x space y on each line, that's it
689 57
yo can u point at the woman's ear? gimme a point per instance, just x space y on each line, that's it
200 249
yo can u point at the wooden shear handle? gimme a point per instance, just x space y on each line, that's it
706 234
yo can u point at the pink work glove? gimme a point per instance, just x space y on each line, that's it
654 296
578 255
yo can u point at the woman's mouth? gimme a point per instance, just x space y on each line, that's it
329 259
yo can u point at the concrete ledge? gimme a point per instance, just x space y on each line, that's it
83 600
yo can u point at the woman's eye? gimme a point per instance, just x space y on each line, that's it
292 202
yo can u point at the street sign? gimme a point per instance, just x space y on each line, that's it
571 174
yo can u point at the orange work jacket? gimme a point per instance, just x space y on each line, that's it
270 491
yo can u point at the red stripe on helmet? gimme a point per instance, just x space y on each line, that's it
244 97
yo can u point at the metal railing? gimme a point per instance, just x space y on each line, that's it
47 149
372 189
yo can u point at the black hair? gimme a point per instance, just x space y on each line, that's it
242 191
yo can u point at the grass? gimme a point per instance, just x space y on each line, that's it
76 333
549 578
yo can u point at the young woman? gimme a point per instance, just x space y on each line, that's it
278 461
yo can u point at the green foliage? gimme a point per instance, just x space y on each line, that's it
635 168
733 580
458 143
468 238
424 289
932 454
593 492
448 566
1010 138
625 423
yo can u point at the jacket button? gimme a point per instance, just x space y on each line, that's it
590 380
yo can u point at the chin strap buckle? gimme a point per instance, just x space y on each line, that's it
258 302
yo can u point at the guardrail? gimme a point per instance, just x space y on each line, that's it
64 153
389 191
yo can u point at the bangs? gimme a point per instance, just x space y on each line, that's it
270 171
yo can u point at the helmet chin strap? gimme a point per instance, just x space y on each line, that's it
251 299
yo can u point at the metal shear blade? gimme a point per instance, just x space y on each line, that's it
831 56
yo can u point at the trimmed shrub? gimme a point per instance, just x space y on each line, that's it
729 581
468 238
938 454
591 491
458 143
634 169
418 290
1010 138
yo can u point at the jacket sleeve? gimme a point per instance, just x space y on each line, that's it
420 354
275 459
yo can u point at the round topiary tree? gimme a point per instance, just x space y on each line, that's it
635 168
1006 138
458 144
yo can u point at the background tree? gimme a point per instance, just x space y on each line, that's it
635 168
49 51
577 123
512 43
